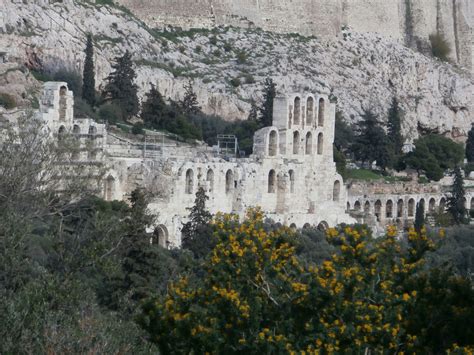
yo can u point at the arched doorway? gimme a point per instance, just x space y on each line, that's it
296 142
189 181
321 112
336 191
309 143
309 110
109 188
400 208
297 111
229 182
320 143
210 180
160 236
272 143
411 207
389 209
271 181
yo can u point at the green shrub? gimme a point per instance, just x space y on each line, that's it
110 113
138 129
217 53
41 75
241 57
198 49
227 47
440 48
235 82
7 101
213 40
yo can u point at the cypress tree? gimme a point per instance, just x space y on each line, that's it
154 109
120 88
266 111
189 105
395 127
470 145
88 75
197 233
253 113
456 202
419 216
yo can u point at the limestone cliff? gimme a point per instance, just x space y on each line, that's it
410 20
359 70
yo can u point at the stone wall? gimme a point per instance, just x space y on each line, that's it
409 20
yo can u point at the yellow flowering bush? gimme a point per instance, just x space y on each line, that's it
257 296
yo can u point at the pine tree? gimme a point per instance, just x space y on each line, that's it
88 76
189 105
419 216
120 87
154 109
197 233
456 202
266 111
470 145
371 143
395 127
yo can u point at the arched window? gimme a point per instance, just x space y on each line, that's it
321 112
442 205
472 204
210 180
160 236
320 143
378 209
61 133
400 208
76 130
367 207
189 181
323 226
229 182
309 110
293 226
309 144
357 206
411 207
291 173
306 226
389 209
336 192
432 205
109 188
296 142
272 144
422 203
271 182
297 111
62 103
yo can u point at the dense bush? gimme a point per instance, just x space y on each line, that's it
440 48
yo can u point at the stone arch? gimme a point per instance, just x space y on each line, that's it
291 174
411 207
323 226
62 103
336 191
297 111
293 226
309 110
422 203
160 236
210 180
306 226
61 132
229 181
432 205
400 208
442 204
378 209
273 143
296 142
309 144
321 112
189 183
109 188
389 209
76 130
271 181
367 207
320 143
357 206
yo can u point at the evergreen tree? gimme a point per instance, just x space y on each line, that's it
419 216
456 202
120 87
154 109
253 113
266 111
88 76
371 143
470 145
189 105
395 127
197 233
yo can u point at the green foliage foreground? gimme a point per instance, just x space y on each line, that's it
256 295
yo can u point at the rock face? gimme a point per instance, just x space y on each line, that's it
410 20
359 70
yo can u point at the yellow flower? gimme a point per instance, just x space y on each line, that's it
406 297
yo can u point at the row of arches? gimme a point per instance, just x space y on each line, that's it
230 183
298 117
299 147
401 208
76 131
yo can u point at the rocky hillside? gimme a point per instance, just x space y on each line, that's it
227 64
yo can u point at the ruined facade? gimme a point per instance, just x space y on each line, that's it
291 175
